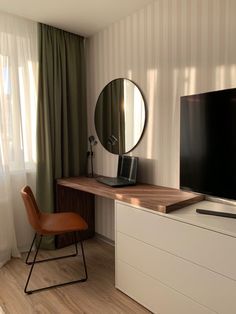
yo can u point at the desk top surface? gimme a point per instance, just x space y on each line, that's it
158 198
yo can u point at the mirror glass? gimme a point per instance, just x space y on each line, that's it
120 116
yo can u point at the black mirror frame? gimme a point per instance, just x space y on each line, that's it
145 121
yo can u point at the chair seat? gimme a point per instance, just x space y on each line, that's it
57 223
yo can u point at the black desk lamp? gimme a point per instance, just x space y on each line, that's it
90 154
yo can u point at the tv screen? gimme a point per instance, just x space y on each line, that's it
208 143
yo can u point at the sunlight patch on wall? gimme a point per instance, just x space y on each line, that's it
189 80
233 74
151 99
129 74
220 76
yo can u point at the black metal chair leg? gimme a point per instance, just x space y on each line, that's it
26 261
50 259
85 266
32 266
82 250
76 246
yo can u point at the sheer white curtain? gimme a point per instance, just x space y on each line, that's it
18 98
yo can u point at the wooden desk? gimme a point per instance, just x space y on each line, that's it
77 194
158 198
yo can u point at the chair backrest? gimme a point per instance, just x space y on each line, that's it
31 206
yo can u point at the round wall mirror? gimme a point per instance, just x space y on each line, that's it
120 116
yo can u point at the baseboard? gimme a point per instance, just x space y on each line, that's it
104 239
24 249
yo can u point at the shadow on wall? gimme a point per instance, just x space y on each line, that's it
147 170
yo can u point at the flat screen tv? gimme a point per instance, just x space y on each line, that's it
208 143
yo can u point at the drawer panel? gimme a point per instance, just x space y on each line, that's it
201 246
154 295
205 287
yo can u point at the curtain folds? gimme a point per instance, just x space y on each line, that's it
62 113
18 95
110 117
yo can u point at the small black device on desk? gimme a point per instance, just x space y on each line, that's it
126 172
215 213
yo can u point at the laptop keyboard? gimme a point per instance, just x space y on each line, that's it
114 181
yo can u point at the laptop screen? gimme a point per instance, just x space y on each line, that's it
127 167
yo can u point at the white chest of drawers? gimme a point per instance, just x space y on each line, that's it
177 263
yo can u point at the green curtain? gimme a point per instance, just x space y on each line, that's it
62 113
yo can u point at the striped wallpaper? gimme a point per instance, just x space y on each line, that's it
169 48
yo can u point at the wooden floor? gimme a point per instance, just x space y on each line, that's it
97 295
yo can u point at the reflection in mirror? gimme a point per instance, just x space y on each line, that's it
120 116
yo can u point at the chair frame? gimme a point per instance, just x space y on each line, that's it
32 263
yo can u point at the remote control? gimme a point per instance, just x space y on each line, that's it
215 213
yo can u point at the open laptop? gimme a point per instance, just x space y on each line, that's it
126 172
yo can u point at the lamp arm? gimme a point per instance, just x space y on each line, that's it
91 159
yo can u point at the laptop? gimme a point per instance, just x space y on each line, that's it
126 172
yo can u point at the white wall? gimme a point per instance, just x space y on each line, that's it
170 48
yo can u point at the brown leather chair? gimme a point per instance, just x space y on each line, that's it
46 224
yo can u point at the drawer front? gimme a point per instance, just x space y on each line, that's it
201 246
205 287
154 295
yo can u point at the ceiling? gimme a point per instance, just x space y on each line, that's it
84 17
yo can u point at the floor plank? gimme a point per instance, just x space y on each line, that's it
97 295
